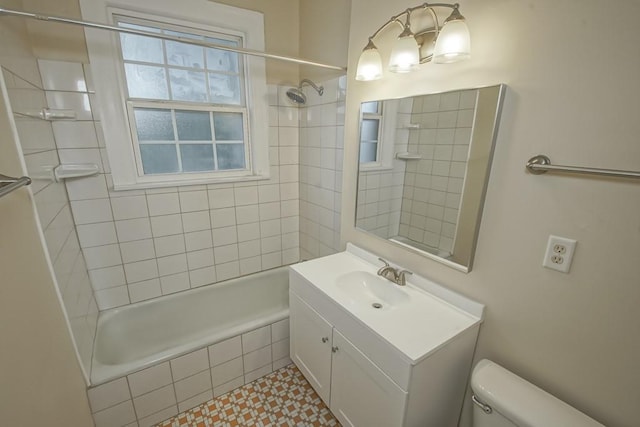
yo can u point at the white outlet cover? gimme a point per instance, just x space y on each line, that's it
556 260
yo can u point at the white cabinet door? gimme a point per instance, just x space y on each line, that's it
311 345
361 394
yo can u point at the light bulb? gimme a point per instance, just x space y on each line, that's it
453 43
369 64
405 56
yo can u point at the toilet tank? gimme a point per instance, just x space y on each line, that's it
515 402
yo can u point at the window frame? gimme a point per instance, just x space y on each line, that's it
387 116
107 68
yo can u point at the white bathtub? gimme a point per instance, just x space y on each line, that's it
140 335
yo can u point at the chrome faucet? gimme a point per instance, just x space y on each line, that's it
392 274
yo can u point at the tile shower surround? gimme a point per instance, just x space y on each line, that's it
142 244
38 141
159 392
321 166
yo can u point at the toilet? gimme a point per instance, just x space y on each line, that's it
503 399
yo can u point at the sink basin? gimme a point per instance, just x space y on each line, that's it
374 291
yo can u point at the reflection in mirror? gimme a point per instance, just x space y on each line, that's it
424 167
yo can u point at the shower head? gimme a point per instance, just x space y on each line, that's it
296 96
295 93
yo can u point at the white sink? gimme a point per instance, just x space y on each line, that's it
362 287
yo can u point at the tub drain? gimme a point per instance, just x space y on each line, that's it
376 305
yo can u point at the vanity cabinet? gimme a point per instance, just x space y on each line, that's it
403 365
353 387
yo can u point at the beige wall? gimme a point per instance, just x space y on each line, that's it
573 92
40 379
324 35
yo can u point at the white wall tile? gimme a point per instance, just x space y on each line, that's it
195 400
74 134
222 198
246 195
169 245
224 236
200 259
172 264
257 359
108 277
154 401
133 229
280 330
190 364
280 349
196 221
149 379
97 234
228 386
60 75
223 254
93 187
138 250
223 217
142 291
225 350
247 214
142 270
163 204
250 265
281 363
129 207
91 211
248 232
108 394
115 416
198 240
258 373
227 271
249 249
193 385
256 339
112 297
78 102
102 256
227 371
191 201
202 276
174 283
166 225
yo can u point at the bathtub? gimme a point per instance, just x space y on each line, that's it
140 335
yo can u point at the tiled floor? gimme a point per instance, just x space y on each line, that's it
283 398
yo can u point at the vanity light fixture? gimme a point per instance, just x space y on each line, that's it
443 44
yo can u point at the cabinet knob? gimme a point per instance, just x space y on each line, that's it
334 349
325 339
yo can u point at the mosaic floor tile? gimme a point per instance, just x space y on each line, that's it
282 398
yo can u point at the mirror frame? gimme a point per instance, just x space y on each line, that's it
475 198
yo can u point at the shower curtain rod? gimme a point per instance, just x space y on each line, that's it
61 20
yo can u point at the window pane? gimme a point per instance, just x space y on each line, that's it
368 152
187 85
145 81
230 156
370 107
185 55
193 126
140 48
153 125
224 89
197 157
228 126
369 130
220 60
159 158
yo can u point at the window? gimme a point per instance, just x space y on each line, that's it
378 128
176 113
370 131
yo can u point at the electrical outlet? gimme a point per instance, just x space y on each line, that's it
559 253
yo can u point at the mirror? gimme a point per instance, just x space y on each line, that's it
423 170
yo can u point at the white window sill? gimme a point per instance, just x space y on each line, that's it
181 183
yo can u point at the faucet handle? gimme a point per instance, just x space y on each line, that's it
381 269
401 277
